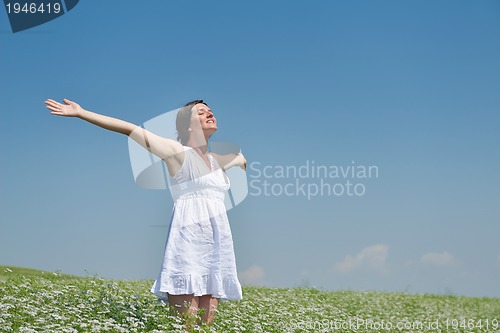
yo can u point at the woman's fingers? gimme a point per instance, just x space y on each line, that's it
54 110
51 108
54 107
53 103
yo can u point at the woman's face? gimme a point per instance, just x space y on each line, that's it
205 117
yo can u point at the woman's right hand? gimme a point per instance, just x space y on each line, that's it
68 109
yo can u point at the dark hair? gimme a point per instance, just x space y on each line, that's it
183 121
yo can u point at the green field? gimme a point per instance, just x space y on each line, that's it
36 301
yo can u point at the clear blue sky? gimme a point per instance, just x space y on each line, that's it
411 87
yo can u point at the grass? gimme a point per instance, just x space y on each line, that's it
36 301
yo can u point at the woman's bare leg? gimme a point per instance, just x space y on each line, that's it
184 304
209 305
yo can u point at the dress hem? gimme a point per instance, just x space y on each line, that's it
227 288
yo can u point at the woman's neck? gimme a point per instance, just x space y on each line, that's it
200 144
201 150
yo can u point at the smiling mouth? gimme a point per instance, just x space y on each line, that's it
211 121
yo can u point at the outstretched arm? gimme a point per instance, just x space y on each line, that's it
166 149
72 109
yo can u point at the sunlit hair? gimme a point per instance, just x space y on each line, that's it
183 121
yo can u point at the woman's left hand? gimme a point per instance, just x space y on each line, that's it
242 161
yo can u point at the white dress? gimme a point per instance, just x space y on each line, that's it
199 256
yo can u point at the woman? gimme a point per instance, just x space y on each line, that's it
199 267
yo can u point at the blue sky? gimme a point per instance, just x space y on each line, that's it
410 87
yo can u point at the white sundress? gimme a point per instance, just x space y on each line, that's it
199 256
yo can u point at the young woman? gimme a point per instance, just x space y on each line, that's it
199 268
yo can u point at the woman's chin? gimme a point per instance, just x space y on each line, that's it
210 130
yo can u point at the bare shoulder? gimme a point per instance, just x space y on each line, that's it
170 151
174 159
